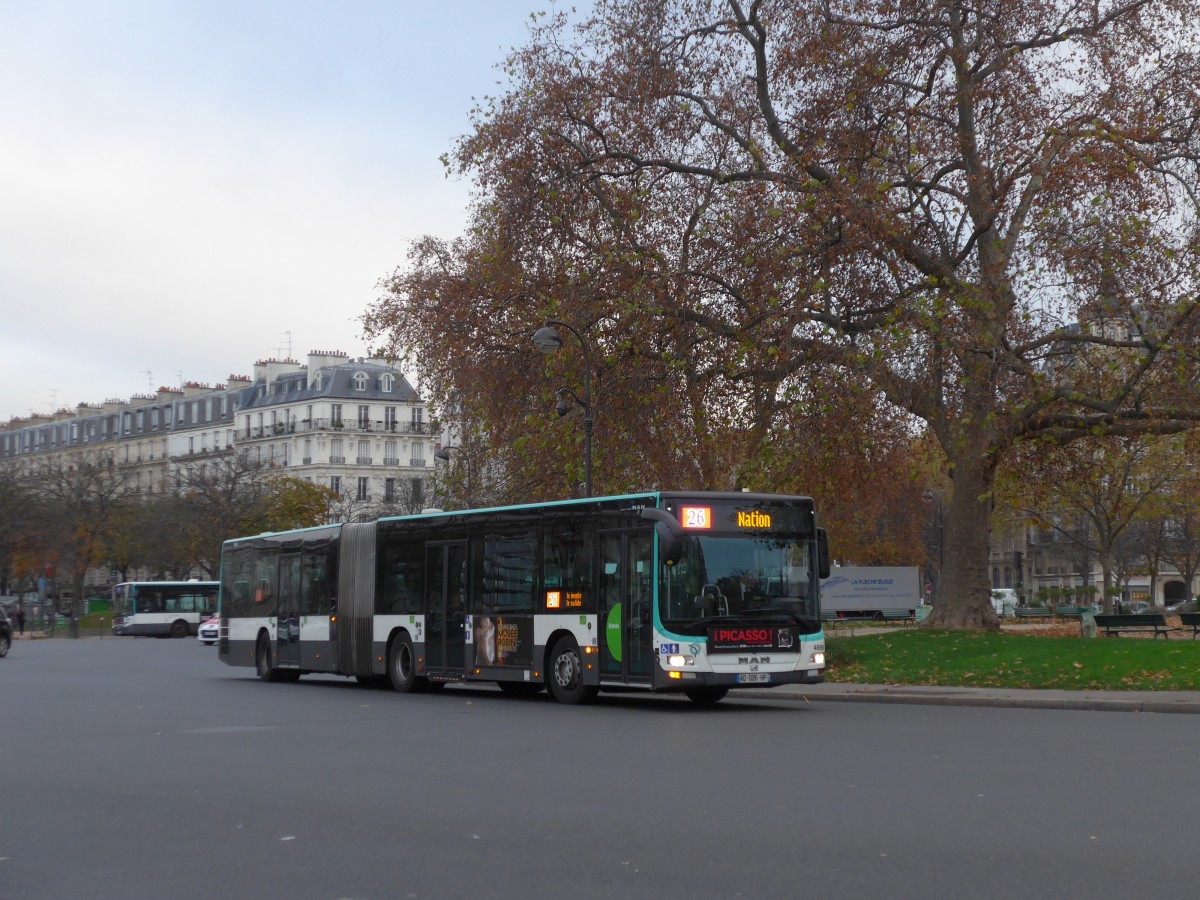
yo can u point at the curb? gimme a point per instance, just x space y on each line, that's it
967 697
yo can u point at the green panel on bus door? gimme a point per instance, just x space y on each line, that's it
612 632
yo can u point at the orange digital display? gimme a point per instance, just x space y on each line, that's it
696 517
553 599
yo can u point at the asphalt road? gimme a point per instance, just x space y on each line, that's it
146 769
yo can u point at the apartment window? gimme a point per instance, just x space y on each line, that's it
335 412
386 382
389 454
317 382
364 417
335 484
204 442
363 491
364 453
360 381
389 418
389 489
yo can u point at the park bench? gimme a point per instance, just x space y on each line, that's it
1137 623
1190 620
1033 612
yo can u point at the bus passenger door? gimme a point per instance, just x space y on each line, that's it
626 605
446 597
287 630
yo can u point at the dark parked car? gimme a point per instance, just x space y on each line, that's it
5 633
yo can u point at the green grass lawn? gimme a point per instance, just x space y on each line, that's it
974 659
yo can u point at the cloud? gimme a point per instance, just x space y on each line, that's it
188 188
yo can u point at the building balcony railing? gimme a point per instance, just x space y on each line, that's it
416 463
306 426
362 460
391 461
306 461
337 460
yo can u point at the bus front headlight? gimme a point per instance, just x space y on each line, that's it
677 660
818 659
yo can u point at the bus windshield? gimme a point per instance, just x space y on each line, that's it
743 577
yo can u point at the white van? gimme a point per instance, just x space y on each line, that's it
1002 597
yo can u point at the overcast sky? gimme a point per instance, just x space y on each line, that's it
187 187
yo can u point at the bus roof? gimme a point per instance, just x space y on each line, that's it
653 497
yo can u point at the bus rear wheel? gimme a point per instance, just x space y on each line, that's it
566 674
707 696
402 666
179 629
262 661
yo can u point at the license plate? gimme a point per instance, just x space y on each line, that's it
755 678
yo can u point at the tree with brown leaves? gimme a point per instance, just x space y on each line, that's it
981 218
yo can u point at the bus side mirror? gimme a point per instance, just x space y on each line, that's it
670 534
822 553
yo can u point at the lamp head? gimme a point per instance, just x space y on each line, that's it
443 454
562 407
546 339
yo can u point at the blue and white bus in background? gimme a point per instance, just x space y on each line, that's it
694 593
163 608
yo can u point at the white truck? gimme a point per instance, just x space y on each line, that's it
871 592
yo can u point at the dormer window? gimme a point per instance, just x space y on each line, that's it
317 381
386 382
360 381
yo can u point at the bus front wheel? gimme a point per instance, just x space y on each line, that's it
566 674
179 629
262 660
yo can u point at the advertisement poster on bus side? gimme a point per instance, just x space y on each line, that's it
503 640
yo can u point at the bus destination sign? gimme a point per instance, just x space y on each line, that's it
758 518
751 637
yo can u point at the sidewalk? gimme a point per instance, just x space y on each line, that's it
1111 701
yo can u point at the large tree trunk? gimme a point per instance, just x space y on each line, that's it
964 603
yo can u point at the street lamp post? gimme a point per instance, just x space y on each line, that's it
547 340
444 455
932 496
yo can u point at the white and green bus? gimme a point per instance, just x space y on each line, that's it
695 593
163 608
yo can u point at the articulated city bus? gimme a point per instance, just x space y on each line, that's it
695 593
163 608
